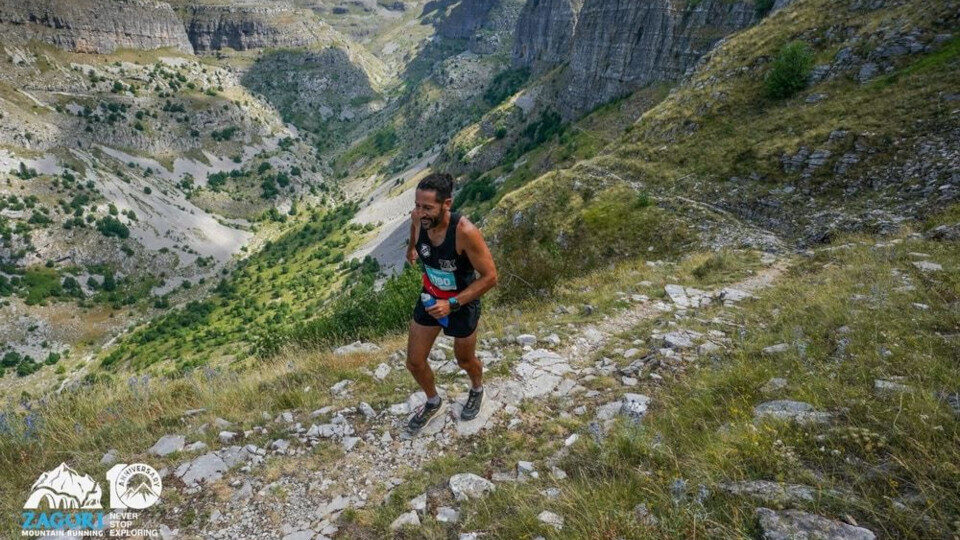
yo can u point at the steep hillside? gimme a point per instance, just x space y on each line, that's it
842 155
133 173
139 174
94 26
726 234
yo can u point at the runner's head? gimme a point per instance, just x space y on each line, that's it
434 198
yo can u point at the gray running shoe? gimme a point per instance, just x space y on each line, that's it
424 414
472 408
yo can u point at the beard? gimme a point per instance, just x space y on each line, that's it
429 222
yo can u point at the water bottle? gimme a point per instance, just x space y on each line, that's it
429 301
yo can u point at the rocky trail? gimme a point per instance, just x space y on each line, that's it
377 451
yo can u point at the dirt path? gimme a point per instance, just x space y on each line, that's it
377 450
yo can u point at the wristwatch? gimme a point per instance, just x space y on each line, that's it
454 303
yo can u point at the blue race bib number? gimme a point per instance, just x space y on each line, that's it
441 279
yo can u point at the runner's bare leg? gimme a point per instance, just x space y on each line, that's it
465 350
419 341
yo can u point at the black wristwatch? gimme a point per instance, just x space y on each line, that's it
454 303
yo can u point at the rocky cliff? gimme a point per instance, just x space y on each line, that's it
465 18
94 26
621 45
213 27
616 46
545 33
487 25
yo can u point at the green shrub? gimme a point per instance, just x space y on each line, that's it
41 283
572 229
477 191
763 7
790 70
362 313
27 366
505 84
385 140
10 359
111 226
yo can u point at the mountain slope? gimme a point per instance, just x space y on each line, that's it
727 305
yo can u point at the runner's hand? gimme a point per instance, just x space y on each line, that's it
439 310
412 256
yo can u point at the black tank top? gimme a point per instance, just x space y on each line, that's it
447 271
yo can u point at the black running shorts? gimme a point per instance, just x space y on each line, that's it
462 323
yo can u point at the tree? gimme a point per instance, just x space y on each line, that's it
790 70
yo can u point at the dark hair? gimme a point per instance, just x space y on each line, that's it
442 183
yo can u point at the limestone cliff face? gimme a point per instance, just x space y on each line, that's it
213 27
616 46
487 25
621 45
94 26
545 33
465 18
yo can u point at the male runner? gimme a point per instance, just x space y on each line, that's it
458 269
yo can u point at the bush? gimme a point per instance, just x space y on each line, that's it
573 229
10 359
477 191
362 313
41 283
790 70
763 7
111 226
27 366
505 84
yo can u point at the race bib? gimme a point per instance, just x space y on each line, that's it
441 279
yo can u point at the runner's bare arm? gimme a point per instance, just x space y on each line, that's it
469 236
412 245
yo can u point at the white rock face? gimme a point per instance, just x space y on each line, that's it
418 503
687 297
787 524
776 349
403 520
773 385
527 339
356 347
549 518
168 444
796 411
540 371
445 514
927 266
340 387
634 406
367 410
204 469
109 458
881 386
381 372
469 486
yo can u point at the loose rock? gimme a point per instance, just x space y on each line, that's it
794 524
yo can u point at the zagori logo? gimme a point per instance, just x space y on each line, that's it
135 486
64 488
